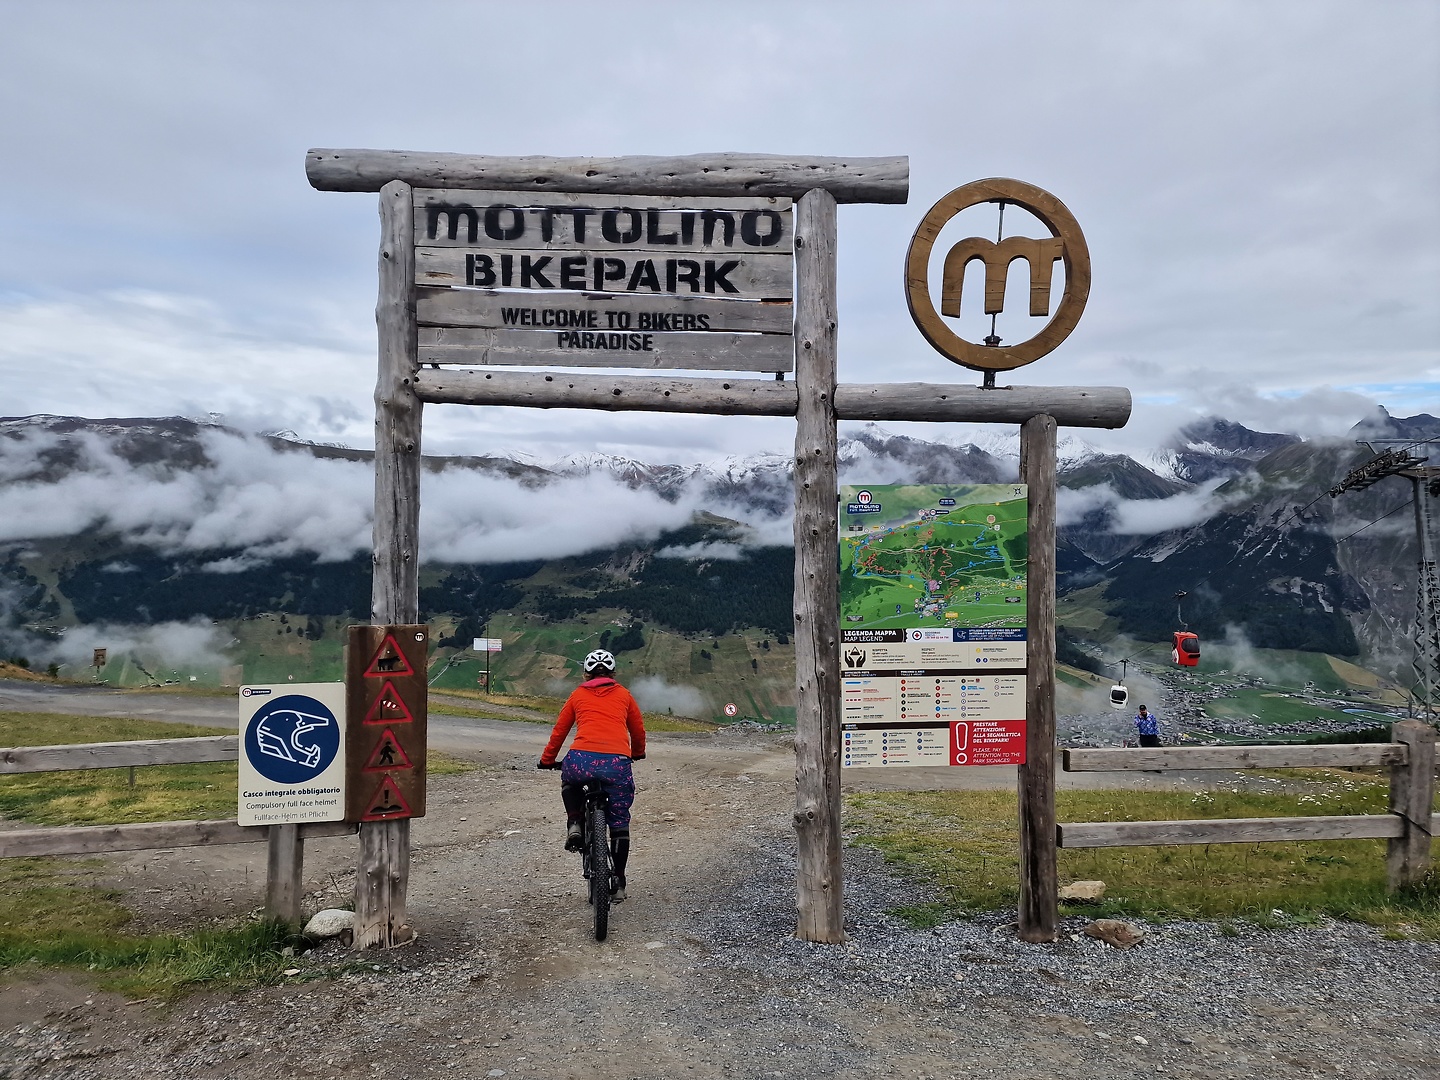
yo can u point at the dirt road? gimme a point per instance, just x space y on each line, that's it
701 976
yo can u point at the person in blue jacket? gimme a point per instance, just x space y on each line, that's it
1148 725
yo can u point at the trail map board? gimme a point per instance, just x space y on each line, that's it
932 624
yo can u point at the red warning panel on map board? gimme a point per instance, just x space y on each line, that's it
385 703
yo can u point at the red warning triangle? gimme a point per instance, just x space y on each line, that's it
388 660
388 754
386 803
388 708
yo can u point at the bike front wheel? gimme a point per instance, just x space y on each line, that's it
599 871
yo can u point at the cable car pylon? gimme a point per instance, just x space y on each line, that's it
1402 460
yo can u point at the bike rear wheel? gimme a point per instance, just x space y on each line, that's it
599 870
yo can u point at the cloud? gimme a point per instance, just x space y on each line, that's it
656 695
1253 219
1140 517
710 550
256 503
197 644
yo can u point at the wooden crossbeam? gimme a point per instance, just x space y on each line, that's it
849 180
1072 406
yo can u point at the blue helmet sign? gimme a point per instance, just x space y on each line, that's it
292 739
292 763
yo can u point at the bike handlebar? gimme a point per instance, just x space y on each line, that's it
553 765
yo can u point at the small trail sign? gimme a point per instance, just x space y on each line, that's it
99 659
386 703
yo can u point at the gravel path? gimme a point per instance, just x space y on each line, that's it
701 976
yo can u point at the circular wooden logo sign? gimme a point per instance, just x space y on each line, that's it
1065 242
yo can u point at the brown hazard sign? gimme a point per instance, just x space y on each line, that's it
385 699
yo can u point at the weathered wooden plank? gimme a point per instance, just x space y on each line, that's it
1071 406
284 870
99 839
848 180
600 311
739 275
381 875
820 880
472 347
1412 793
505 220
614 393
1227 831
1340 755
604 201
1035 779
116 755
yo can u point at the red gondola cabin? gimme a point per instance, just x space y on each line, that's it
1187 649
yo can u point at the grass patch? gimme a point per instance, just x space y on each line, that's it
50 916
1271 707
438 763
964 844
105 796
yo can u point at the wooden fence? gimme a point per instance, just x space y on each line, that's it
286 843
1408 825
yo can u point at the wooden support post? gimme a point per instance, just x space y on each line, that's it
1412 791
1039 884
384 866
283 873
817 642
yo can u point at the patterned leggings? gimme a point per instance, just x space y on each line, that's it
614 773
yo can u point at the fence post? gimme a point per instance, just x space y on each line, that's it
1412 791
284 865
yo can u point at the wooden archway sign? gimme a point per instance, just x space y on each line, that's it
1062 226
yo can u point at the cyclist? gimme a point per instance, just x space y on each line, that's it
610 734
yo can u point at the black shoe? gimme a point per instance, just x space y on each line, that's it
574 839
617 892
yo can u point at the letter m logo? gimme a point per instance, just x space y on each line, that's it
1041 256
454 217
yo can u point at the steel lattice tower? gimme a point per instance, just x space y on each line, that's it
1424 479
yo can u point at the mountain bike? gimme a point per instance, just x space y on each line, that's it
596 860
595 857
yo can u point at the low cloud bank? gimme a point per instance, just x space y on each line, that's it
1139 517
654 694
266 504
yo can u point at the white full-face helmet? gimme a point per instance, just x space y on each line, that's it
599 661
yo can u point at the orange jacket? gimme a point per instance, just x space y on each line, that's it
609 721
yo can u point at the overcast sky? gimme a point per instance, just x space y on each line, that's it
1259 184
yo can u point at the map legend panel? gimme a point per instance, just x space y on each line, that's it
964 742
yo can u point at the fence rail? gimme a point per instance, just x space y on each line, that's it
118 755
286 843
97 839
1336 755
1408 826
